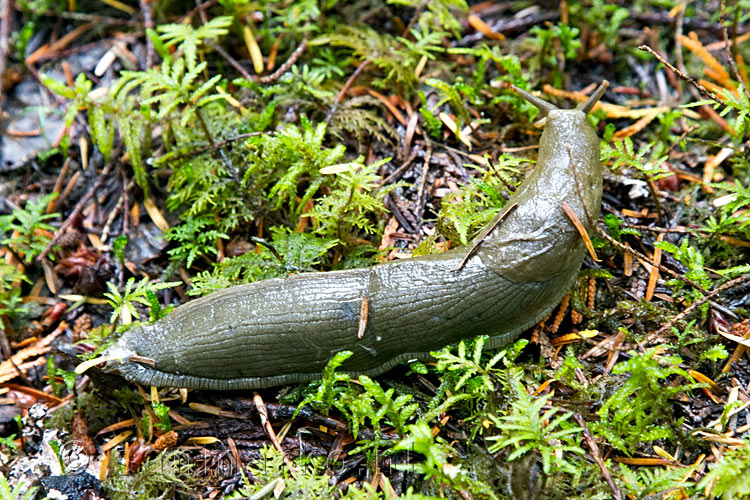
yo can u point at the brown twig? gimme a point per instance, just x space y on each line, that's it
597 456
231 60
148 23
503 25
364 309
682 137
73 217
197 9
400 170
345 89
263 413
284 67
678 29
201 11
417 13
665 18
391 205
692 307
728 50
679 230
629 249
125 223
657 203
581 230
703 90
96 18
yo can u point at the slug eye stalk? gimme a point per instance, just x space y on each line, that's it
543 106
587 106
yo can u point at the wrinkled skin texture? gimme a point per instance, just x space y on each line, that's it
283 331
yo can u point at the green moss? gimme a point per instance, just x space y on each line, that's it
639 411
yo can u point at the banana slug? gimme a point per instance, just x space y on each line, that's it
283 331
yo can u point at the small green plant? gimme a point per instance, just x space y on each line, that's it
603 17
369 404
355 196
731 219
287 252
179 96
68 377
175 87
325 390
645 482
690 335
169 474
529 428
124 303
378 406
693 260
545 41
271 475
466 370
648 161
187 39
436 452
162 414
510 64
640 410
19 492
614 227
456 95
279 161
441 12
432 123
728 476
436 465
118 248
740 105
30 227
155 310
194 239
11 303
464 213
396 56
470 377
102 131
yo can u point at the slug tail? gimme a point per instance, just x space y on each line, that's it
544 106
587 106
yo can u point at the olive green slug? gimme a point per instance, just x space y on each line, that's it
283 331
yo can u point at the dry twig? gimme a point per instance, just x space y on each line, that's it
284 67
345 89
263 413
73 217
728 51
629 249
692 307
703 90
597 456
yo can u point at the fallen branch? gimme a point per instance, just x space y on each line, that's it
695 305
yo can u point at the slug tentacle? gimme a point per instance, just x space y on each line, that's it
587 106
284 331
543 106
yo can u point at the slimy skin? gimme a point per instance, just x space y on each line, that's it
283 331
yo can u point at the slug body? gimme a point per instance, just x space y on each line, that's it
282 331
